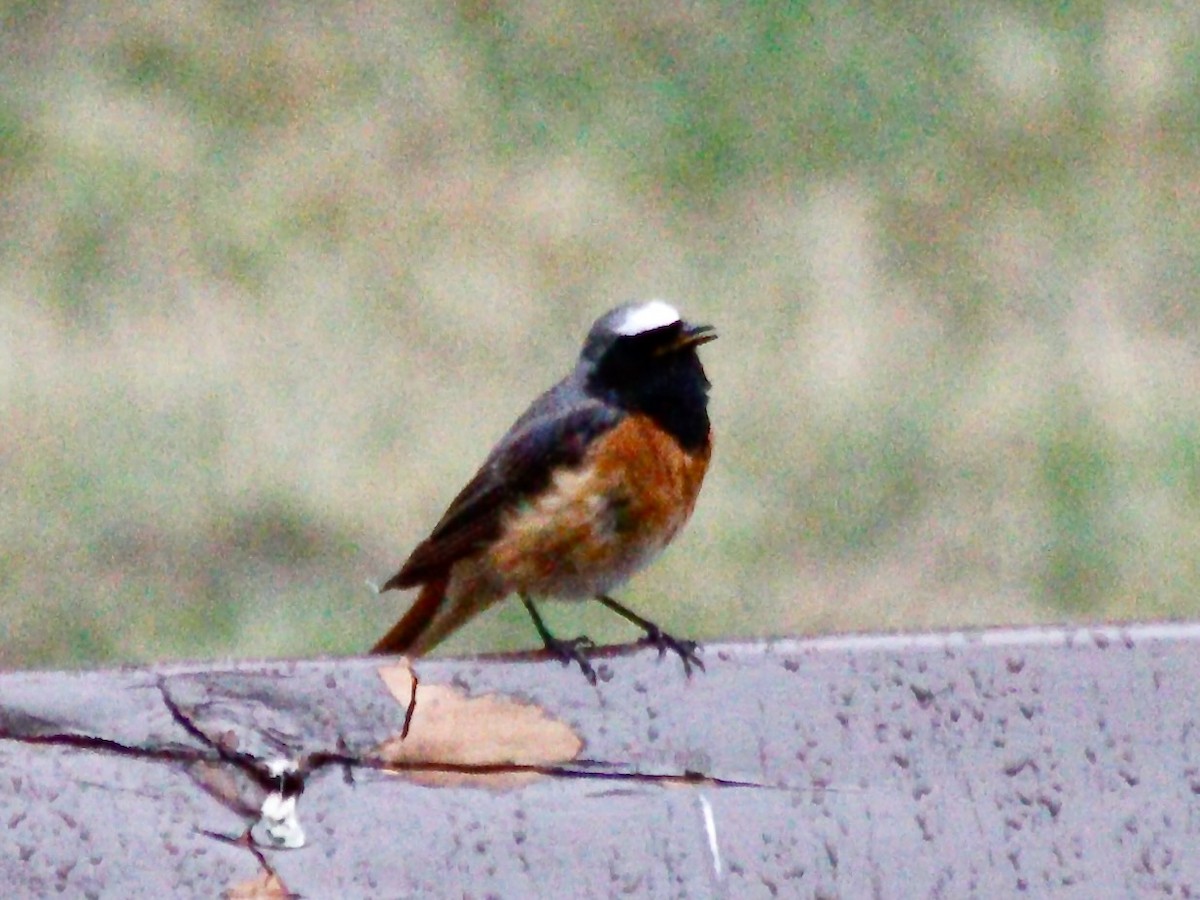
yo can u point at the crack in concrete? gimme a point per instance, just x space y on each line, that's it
292 783
290 780
251 765
411 709
282 778
319 760
287 780
109 746
246 842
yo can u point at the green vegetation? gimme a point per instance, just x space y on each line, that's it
273 278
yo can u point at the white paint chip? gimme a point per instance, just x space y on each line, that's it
650 315
279 826
281 766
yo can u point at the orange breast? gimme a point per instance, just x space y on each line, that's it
600 522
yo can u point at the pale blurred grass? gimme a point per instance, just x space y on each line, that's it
274 280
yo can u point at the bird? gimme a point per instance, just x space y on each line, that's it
587 487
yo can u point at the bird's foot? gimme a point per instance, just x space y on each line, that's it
687 651
656 637
570 650
573 650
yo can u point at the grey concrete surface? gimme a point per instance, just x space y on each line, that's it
1041 762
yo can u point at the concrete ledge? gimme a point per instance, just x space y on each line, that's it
1048 761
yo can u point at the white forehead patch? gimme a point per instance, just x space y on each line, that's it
647 317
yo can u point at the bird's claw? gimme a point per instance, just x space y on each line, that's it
574 650
687 651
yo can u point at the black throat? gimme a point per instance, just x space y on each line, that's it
673 392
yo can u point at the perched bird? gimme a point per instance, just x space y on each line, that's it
587 487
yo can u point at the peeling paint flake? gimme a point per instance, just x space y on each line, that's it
452 733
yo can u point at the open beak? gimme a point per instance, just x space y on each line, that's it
695 335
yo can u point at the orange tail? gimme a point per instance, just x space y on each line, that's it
405 636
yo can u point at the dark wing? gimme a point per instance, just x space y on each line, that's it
554 432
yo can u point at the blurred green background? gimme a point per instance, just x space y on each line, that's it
275 277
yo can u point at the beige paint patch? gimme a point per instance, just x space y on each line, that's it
451 729
265 886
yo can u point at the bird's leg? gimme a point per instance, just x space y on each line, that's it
656 637
570 650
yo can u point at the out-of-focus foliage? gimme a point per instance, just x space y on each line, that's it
274 276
